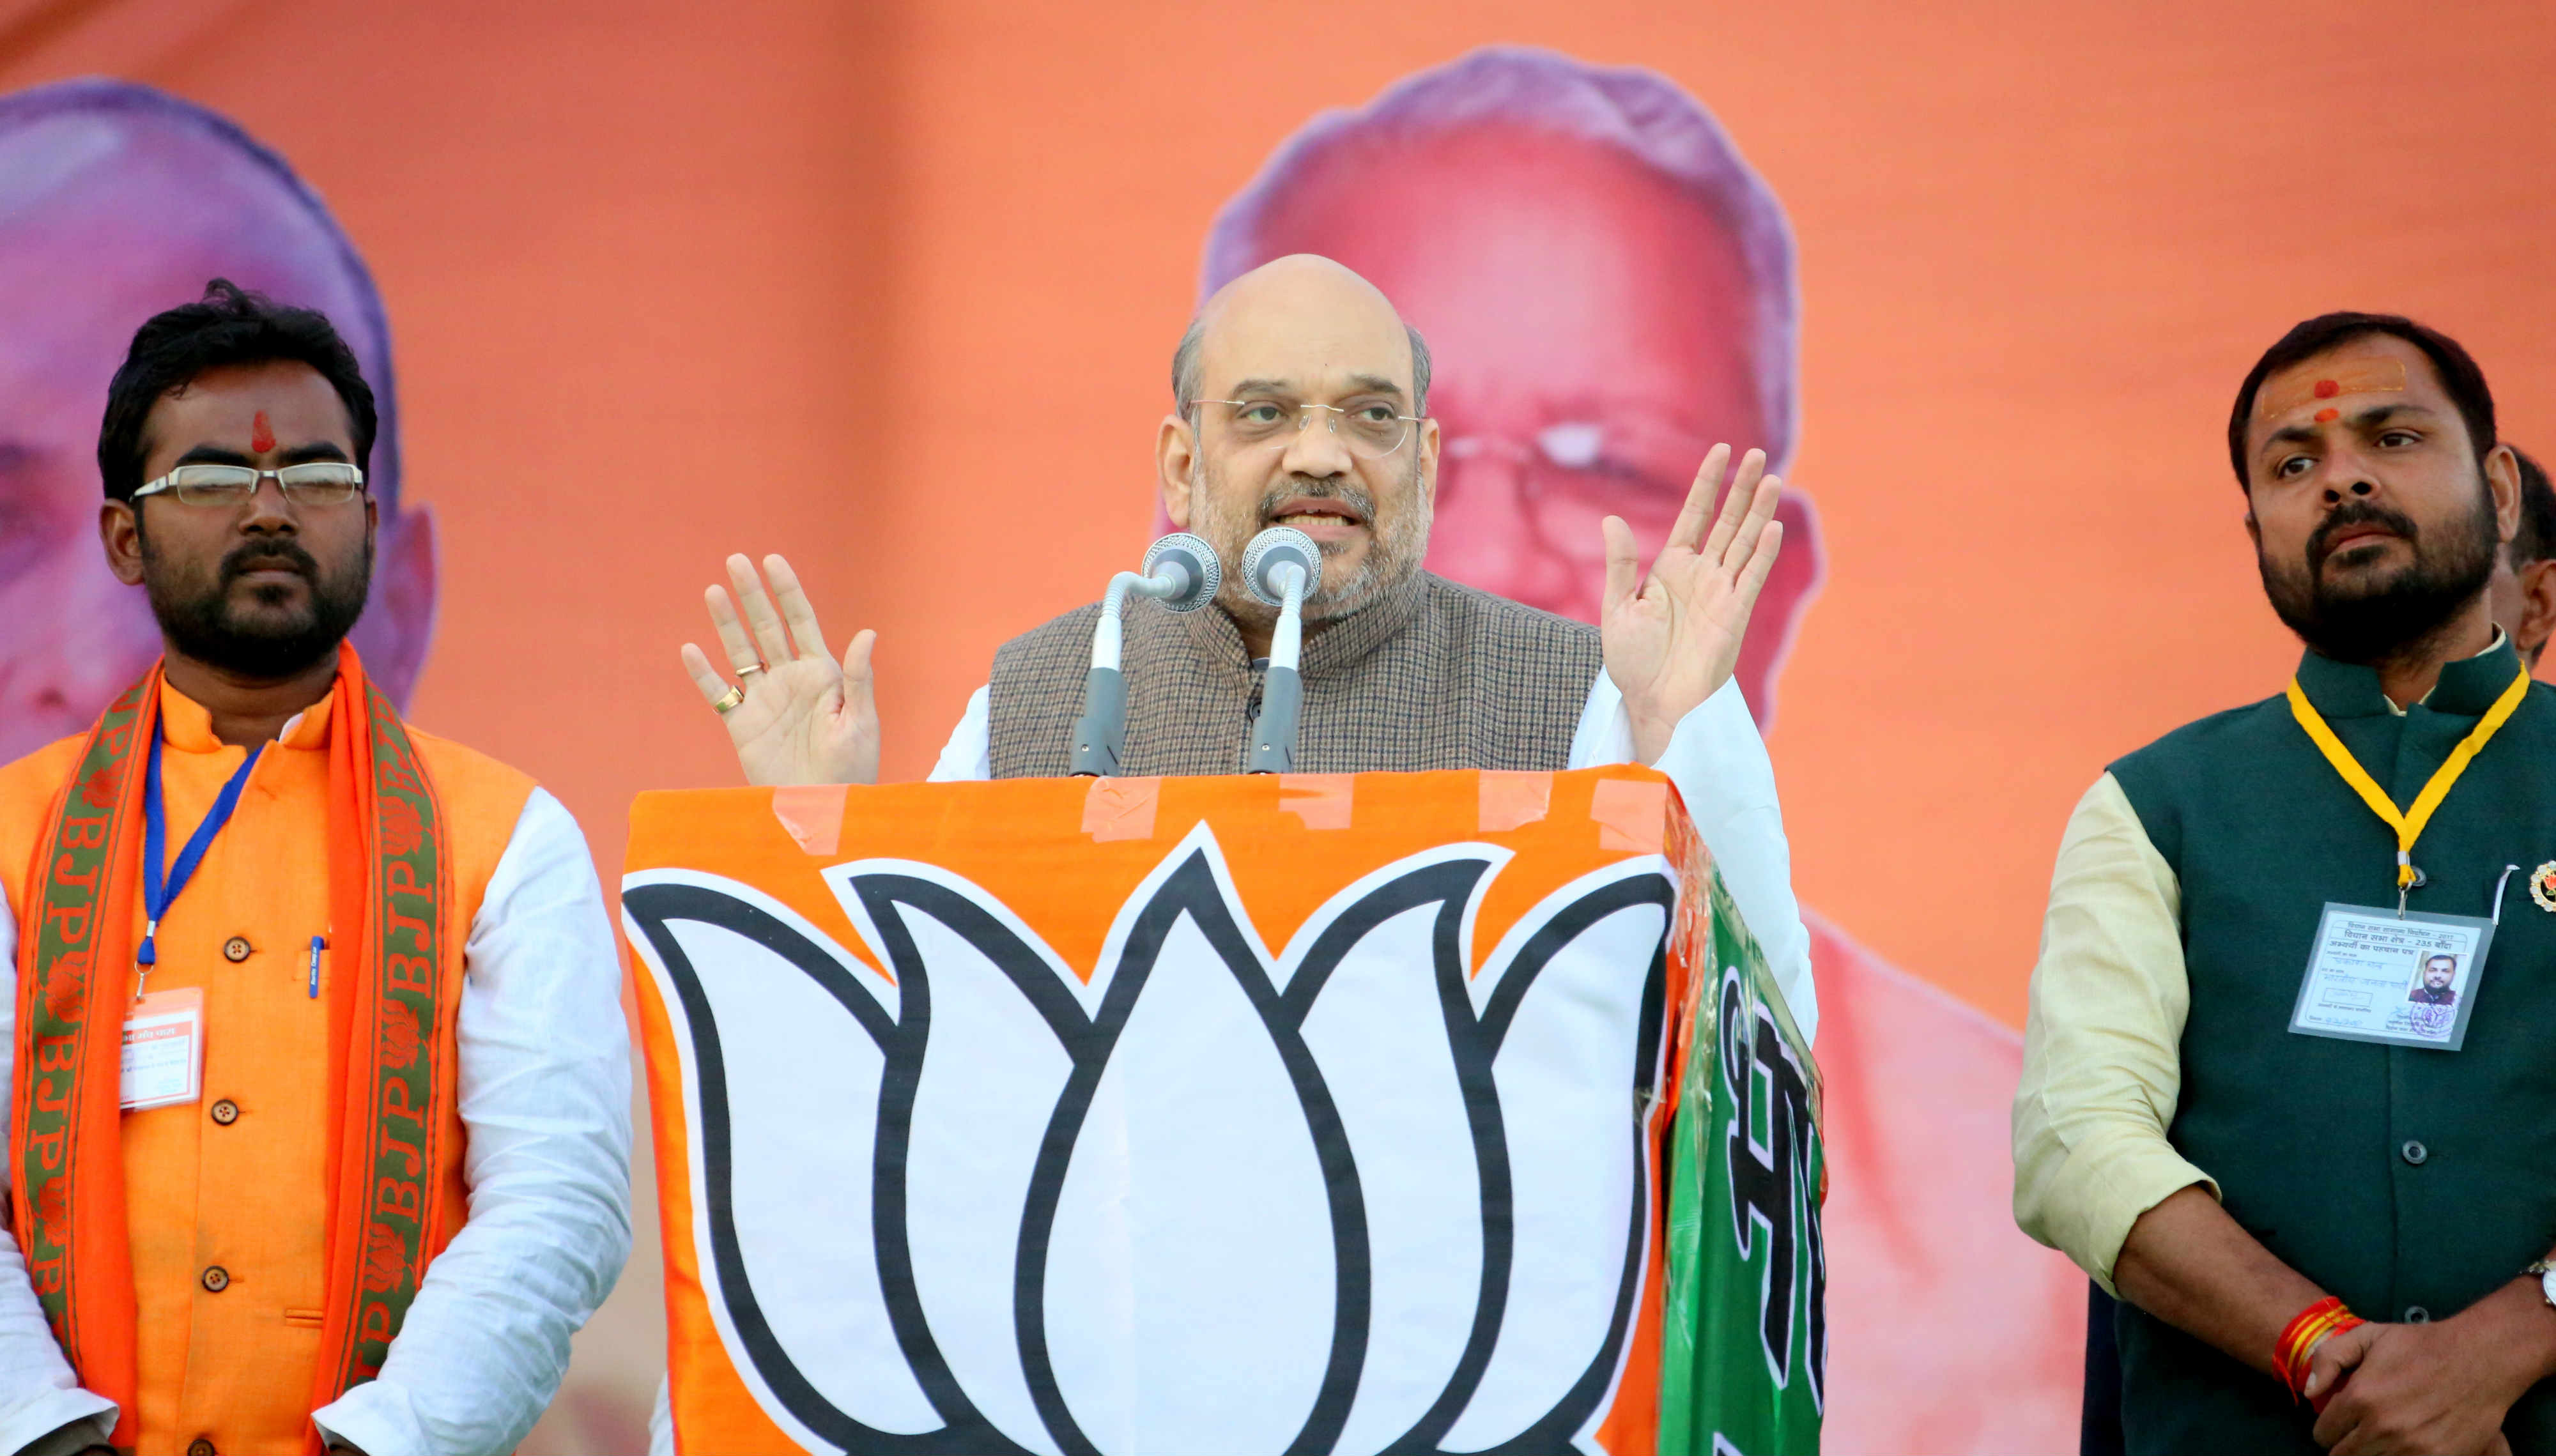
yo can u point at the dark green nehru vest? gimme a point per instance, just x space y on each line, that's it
2410 1182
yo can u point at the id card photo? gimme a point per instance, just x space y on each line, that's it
2406 980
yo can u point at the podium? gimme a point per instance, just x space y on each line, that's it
1295 1113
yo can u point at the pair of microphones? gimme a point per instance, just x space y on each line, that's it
1282 566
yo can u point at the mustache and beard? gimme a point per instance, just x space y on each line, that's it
255 639
2374 620
1396 543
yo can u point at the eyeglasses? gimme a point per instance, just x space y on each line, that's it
1371 428
1563 479
318 483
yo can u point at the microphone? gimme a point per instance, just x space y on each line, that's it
1182 573
1282 566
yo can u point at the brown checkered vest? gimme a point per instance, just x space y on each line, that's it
1432 676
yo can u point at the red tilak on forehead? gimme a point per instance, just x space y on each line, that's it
2359 375
260 434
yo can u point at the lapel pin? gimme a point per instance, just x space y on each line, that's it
2542 886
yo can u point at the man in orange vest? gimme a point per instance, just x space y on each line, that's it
318 1131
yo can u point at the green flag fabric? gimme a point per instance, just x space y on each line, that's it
1743 1357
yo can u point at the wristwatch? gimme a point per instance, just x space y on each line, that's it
2546 1269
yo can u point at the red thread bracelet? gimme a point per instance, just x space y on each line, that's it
2299 1340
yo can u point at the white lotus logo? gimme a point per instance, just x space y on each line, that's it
1345 1198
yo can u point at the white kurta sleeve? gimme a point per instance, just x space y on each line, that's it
661 1419
545 1097
1721 769
969 753
39 1393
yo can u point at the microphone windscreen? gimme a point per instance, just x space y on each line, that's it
1195 559
1276 546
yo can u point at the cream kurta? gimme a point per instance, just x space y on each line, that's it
2102 1045
2102 1060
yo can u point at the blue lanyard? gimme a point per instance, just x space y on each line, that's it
160 889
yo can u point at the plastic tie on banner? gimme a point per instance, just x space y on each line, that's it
1121 808
1321 800
1512 800
1631 813
813 813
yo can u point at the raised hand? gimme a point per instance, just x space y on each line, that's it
805 719
1673 640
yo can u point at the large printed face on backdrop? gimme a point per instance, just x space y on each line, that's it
1606 289
115 203
1591 324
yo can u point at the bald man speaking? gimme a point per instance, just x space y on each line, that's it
1301 400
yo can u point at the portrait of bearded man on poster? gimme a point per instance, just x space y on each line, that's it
1608 289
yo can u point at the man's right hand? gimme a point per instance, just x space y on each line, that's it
805 719
2438 1386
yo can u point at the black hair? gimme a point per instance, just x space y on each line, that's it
2535 540
230 325
2458 371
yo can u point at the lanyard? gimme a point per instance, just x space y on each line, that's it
2409 823
160 889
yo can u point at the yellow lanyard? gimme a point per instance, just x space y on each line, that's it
2409 825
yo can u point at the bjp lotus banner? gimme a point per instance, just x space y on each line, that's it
1305 1113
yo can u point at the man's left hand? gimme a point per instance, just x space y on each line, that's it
2440 1386
1673 640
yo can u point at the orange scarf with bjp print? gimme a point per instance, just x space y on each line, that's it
390 879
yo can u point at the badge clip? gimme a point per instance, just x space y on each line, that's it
2502 881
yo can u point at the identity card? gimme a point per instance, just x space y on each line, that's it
164 1049
2405 979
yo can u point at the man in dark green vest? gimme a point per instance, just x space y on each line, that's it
2236 1113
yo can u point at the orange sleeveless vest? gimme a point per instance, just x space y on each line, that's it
226 1198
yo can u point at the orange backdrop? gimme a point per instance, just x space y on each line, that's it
668 280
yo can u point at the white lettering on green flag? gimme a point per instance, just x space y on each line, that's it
1743 1358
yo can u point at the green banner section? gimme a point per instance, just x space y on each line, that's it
1743 1358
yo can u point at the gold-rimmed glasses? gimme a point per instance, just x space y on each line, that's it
314 483
1371 428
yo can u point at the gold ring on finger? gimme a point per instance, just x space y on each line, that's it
728 700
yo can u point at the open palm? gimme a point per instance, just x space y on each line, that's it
805 719
1673 638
